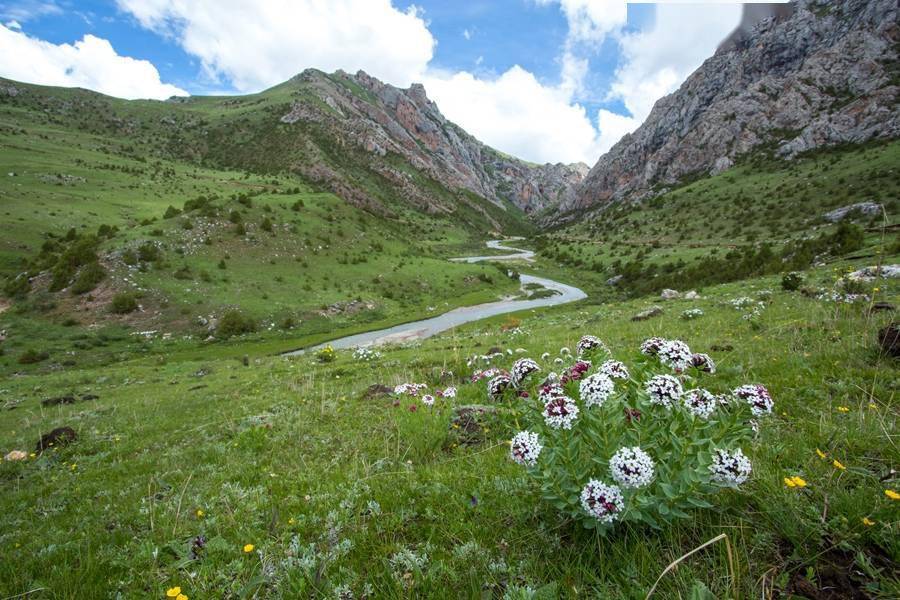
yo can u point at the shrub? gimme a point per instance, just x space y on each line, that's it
266 224
123 303
791 282
171 212
89 278
18 286
632 444
149 252
32 356
234 322
184 273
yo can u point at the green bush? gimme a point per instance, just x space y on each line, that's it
32 356
792 281
89 278
234 322
123 303
18 286
266 224
149 252
171 212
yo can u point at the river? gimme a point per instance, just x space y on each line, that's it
419 330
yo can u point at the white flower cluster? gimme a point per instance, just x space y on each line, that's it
521 369
595 389
365 354
450 392
703 362
692 313
614 370
757 396
485 374
742 302
589 343
664 390
497 385
601 501
525 448
560 412
700 403
730 468
650 346
631 467
428 400
410 389
675 354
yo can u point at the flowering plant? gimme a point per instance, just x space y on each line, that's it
645 443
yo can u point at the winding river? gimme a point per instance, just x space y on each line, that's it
418 330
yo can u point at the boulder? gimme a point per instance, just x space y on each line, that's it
691 295
614 280
872 273
61 436
863 208
668 294
653 311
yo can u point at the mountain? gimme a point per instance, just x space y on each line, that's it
825 73
379 147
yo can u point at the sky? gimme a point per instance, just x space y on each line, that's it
544 80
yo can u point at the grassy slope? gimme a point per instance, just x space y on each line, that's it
284 454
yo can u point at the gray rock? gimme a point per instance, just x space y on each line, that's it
691 295
653 311
614 280
668 294
864 208
872 273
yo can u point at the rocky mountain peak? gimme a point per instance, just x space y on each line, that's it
813 74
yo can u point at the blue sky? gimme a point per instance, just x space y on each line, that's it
547 80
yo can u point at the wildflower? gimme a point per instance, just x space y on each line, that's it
525 448
614 370
601 501
700 403
730 468
838 465
795 482
428 400
181 597
675 354
560 412
692 313
867 521
589 343
173 592
892 494
485 374
843 409
565 351
545 356
450 392
757 396
576 371
821 454
413 408
651 346
248 548
521 369
703 362
197 546
497 385
664 390
631 467
200 513
596 389
549 391
410 389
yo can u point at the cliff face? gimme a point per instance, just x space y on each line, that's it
359 110
824 73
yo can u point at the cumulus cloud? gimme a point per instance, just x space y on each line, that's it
516 113
91 63
258 44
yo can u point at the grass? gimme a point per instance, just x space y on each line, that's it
287 455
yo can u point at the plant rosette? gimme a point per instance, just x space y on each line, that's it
604 451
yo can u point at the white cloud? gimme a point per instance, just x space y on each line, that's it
27 10
258 44
13 25
91 63
517 114
467 34
657 60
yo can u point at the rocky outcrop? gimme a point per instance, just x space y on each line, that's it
823 73
383 120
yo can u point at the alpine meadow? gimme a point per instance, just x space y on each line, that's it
317 340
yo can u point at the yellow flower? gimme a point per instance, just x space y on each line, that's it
795 482
200 513
789 482
181 597
291 521
248 548
892 494
868 522
820 453
838 465
872 405
173 592
843 409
